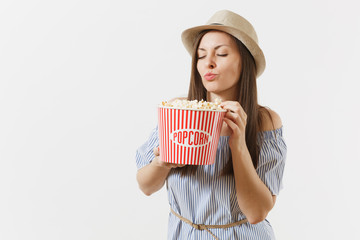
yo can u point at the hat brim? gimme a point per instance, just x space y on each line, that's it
188 38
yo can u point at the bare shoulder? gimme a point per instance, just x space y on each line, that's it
270 119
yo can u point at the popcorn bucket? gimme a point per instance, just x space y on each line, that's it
189 136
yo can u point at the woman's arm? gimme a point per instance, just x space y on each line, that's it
151 178
254 198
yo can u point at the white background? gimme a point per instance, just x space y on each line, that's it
79 85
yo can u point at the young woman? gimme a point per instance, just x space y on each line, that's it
231 198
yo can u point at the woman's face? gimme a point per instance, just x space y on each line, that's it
219 64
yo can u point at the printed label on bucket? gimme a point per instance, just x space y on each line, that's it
190 137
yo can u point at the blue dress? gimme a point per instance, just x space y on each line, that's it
208 198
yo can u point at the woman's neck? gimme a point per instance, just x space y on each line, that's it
224 96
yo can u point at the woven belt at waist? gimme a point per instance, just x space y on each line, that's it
206 227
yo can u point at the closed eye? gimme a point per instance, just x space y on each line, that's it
220 55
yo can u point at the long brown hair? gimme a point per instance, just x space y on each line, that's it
247 97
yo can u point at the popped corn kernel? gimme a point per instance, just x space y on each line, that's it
194 104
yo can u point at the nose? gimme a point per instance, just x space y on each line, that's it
210 62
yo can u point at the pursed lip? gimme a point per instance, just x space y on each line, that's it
210 76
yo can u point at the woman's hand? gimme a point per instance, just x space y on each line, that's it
160 163
151 178
235 119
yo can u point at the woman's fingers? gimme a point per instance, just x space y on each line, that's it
172 165
234 107
236 114
233 126
234 117
238 120
156 151
177 165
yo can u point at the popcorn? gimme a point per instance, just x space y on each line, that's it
194 104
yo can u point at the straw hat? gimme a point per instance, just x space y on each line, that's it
234 25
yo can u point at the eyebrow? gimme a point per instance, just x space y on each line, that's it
202 49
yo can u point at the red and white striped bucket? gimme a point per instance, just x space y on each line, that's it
189 136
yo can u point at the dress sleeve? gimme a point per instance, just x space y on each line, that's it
272 160
145 154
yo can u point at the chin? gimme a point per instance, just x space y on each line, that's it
212 88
